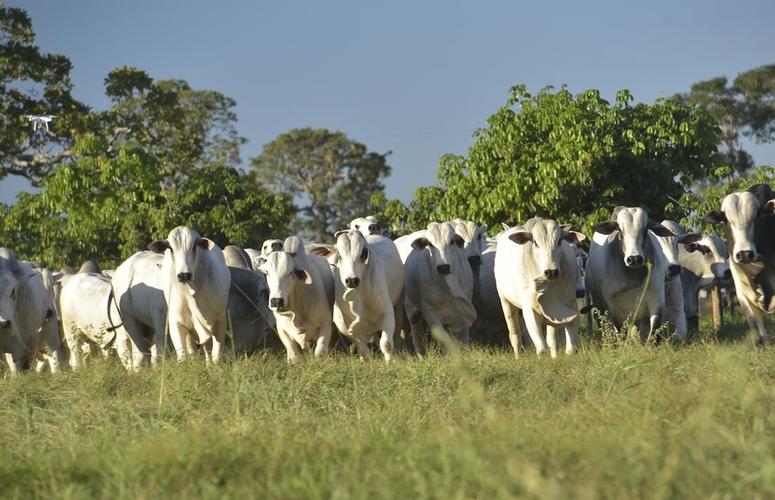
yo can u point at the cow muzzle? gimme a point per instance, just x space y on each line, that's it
352 282
634 260
373 229
184 277
745 256
444 269
277 303
551 274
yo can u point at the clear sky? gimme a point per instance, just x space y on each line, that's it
413 77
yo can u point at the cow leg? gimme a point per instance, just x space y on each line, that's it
178 334
123 349
388 329
141 350
535 326
292 351
54 343
73 345
159 339
755 319
364 352
511 314
14 367
418 333
551 340
324 338
571 337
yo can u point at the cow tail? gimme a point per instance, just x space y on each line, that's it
112 297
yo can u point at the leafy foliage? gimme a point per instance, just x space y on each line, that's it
331 176
744 107
106 207
573 158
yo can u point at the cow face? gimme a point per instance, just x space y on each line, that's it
282 274
632 224
183 246
474 240
712 260
12 279
443 242
366 225
353 259
668 245
738 212
546 237
270 246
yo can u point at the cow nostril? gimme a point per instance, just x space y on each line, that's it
551 273
674 270
443 268
634 260
475 261
184 277
744 256
276 302
373 229
727 274
352 282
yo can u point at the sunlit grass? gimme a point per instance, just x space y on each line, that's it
632 421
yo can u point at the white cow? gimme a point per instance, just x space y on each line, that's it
619 257
195 281
84 301
536 272
368 288
300 297
750 231
675 313
27 315
366 225
138 288
439 283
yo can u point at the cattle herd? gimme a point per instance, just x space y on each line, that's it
186 294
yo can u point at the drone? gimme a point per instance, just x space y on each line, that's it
40 121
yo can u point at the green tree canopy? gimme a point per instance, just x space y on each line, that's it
331 177
573 158
743 107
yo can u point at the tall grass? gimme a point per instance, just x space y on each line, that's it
627 421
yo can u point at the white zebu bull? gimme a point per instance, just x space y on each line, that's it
301 298
619 256
670 246
750 230
195 282
137 287
536 272
27 316
439 283
704 263
366 225
84 301
368 287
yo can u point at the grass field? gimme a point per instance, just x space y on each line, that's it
633 422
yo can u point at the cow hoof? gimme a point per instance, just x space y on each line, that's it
759 342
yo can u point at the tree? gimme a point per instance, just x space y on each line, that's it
106 206
744 108
573 158
34 83
332 177
180 127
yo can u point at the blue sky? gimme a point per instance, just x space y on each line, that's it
413 77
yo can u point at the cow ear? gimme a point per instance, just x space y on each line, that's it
690 238
573 236
303 275
339 233
521 237
421 243
769 207
715 217
159 246
55 277
505 226
365 255
258 264
205 244
322 250
457 240
606 227
659 230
